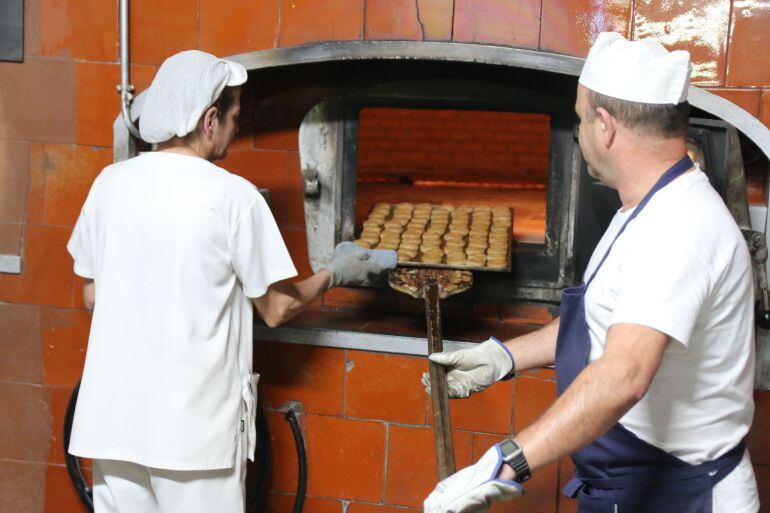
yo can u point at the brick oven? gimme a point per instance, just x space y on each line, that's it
353 362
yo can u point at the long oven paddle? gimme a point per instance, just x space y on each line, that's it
432 285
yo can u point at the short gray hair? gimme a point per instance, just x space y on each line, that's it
664 120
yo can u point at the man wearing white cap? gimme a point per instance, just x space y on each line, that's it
177 249
654 351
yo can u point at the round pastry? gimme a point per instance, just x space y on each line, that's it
456 261
462 230
497 243
395 232
390 241
363 243
476 261
374 223
474 255
453 236
478 245
497 257
498 239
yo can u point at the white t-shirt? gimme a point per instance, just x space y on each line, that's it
683 268
176 246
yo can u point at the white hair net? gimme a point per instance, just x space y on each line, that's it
185 86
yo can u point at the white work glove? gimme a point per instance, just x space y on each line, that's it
353 269
472 370
473 489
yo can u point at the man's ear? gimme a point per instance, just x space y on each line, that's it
209 119
607 126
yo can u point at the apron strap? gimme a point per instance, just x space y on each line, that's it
673 172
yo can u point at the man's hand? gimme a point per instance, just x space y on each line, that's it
472 370
353 269
473 489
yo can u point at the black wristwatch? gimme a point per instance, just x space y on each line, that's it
513 455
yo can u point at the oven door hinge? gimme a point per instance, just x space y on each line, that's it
311 185
758 249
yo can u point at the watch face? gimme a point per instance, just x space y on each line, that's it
509 449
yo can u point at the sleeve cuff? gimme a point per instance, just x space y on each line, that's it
261 290
511 374
83 271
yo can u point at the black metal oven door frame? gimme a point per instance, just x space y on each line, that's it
328 156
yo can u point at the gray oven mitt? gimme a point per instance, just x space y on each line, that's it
353 265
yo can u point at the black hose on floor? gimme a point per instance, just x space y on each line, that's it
299 442
73 463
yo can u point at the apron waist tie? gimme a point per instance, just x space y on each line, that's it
718 469
249 395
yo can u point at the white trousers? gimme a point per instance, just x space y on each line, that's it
125 487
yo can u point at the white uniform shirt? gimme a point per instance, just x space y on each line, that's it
683 268
176 246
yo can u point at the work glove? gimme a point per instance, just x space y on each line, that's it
472 370
473 489
354 269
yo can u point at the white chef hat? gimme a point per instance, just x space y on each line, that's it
185 86
638 71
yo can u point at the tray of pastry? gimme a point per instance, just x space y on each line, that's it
477 238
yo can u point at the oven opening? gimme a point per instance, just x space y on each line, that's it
457 157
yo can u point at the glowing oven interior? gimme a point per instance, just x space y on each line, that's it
460 157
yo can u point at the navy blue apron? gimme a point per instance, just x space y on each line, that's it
619 472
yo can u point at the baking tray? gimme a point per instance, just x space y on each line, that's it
505 269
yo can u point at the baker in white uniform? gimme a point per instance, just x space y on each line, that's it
654 352
178 249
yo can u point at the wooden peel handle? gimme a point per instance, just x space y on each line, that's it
442 423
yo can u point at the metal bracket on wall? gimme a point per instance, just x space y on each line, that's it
12 30
10 264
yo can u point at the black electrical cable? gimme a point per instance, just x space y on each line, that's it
73 463
263 458
299 499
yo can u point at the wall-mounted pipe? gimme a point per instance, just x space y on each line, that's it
125 89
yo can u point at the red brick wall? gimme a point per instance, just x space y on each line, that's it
375 403
454 145
56 111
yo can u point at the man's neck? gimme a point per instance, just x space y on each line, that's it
178 145
639 171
